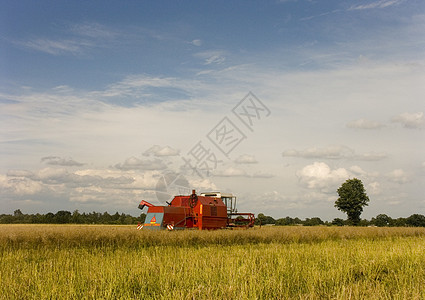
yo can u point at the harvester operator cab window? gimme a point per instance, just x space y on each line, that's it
230 203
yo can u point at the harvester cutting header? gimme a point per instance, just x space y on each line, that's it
212 210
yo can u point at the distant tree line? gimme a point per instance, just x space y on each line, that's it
66 217
381 220
352 198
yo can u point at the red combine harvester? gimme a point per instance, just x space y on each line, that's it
208 211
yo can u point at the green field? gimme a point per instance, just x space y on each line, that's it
119 262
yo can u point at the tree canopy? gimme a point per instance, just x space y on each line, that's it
352 199
66 217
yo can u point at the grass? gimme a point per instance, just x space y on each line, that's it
119 262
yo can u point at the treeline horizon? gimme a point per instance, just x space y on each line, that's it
66 217
381 220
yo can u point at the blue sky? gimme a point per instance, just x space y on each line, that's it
100 101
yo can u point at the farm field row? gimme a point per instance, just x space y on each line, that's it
112 262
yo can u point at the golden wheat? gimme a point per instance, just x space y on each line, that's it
119 262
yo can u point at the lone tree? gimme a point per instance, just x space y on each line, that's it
352 198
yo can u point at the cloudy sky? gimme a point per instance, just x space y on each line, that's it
278 102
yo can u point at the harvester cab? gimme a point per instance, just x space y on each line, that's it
212 210
234 219
228 199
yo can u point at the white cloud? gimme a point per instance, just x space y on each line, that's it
78 38
93 30
246 159
212 57
236 172
410 120
61 178
119 179
52 175
196 43
157 150
231 172
145 181
150 90
58 161
19 186
134 86
365 124
50 107
374 188
99 196
133 163
107 186
215 59
137 81
27 202
262 175
321 177
20 173
398 176
376 4
357 170
202 185
273 202
371 156
333 152
57 47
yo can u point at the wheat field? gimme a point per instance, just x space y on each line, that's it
120 262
